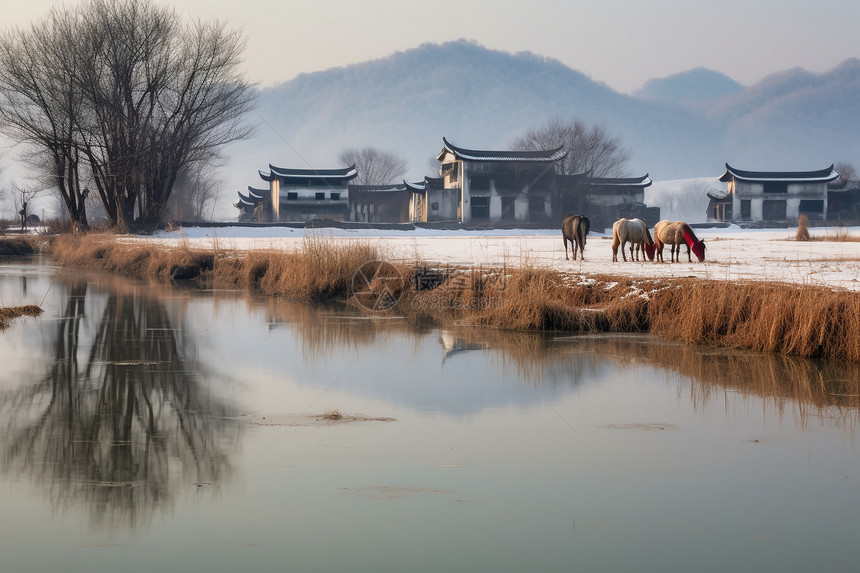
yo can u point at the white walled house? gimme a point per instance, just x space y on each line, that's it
606 199
776 195
431 202
305 194
497 186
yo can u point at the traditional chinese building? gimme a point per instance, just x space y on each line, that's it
431 202
492 186
252 205
473 187
606 199
775 195
379 203
843 202
303 194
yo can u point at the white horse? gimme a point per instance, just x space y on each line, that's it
634 231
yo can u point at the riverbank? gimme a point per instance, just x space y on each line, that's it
793 318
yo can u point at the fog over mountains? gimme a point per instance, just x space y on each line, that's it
683 126
687 125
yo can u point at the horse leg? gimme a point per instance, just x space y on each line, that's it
688 254
565 249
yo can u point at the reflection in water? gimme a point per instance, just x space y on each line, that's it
121 414
814 388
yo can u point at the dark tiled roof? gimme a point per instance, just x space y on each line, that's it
427 183
643 181
248 200
540 156
827 174
347 173
258 194
378 188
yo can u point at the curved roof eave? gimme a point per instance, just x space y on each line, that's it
345 172
539 156
826 175
643 181
416 186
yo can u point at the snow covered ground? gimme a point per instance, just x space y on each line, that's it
732 253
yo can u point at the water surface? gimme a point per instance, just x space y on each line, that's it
145 428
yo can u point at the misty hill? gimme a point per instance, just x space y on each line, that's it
690 87
793 118
482 98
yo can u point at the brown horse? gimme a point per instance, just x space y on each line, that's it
634 231
574 228
675 234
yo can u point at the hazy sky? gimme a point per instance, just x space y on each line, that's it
621 43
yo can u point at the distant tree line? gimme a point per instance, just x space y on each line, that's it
122 98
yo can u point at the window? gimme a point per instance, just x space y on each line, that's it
292 196
775 187
812 207
480 207
319 196
335 196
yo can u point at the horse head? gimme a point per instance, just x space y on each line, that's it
698 249
649 250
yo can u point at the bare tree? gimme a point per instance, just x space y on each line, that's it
127 90
23 197
374 167
846 173
41 102
589 148
194 195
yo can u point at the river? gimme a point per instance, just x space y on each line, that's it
150 428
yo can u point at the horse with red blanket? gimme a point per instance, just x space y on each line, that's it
677 233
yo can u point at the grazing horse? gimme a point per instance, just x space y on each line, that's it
634 231
675 234
574 228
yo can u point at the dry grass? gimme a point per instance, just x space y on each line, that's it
838 234
19 246
802 228
799 320
11 313
321 270
808 321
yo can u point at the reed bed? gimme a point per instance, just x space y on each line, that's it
19 246
799 320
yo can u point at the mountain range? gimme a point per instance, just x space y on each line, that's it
683 126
